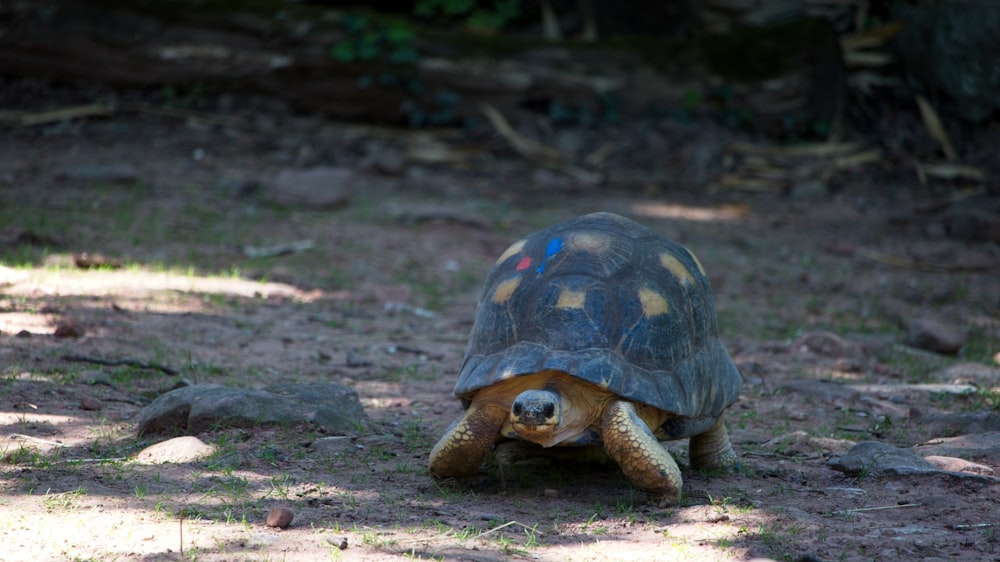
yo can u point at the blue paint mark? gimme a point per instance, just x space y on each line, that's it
555 245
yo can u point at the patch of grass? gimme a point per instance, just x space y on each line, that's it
983 344
62 500
280 486
27 456
415 435
455 494
376 539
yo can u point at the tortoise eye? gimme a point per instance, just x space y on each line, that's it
517 409
549 410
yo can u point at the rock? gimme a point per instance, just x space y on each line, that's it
90 403
951 424
68 329
977 374
100 173
385 160
333 445
314 188
332 408
355 358
176 450
972 445
829 344
825 392
260 541
878 459
931 335
280 517
87 260
954 464
873 458
421 213
800 442
810 190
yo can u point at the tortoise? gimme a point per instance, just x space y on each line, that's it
597 330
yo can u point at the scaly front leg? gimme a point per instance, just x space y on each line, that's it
467 442
639 454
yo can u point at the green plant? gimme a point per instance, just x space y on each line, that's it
62 500
368 40
475 14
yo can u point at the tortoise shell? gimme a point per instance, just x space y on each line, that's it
611 302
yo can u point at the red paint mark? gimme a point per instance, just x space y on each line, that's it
525 263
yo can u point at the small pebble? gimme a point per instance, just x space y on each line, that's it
280 517
90 403
68 330
931 335
339 543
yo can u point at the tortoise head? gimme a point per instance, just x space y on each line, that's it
535 415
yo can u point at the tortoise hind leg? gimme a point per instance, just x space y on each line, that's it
639 454
711 450
467 442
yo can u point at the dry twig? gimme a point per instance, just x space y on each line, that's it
120 362
876 508
22 437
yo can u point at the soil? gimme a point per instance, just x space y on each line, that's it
815 297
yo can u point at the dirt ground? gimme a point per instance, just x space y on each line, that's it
816 296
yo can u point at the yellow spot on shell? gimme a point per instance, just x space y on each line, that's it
674 265
505 289
569 298
653 303
514 248
589 242
696 262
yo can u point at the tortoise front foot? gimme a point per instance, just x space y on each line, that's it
639 454
465 445
712 450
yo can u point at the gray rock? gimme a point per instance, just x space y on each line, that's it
951 424
800 442
829 344
177 450
385 160
106 173
330 407
810 190
969 373
314 188
820 391
333 445
879 459
972 445
931 335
